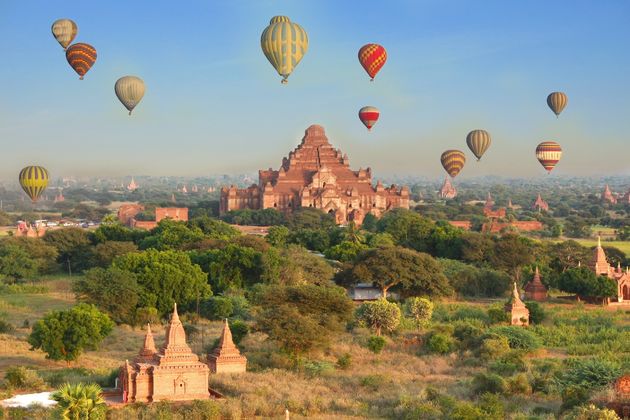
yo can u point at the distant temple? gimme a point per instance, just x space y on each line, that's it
510 205
59 197
447 191
25 229
540 204
626 197
174 373
519 314
488 209
317 175
601 267
226 358
534 289
132 185
608 196
127 215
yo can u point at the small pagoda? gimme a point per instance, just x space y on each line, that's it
226 358
519 314
534 289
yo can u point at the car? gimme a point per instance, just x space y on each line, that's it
91 224
67 224
52 224
84 225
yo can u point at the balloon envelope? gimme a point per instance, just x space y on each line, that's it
557 101
548 154
33 180
453 161
372 57
478 142
129 90
81 57
284 43
368 116
64 31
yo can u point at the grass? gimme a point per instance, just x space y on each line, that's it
624 246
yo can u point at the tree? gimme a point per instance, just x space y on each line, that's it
409 272
230 267
166 277
408 228
345 251
278 236
584 283
476 248
310 218
213 228
16 264
105 252
511 252
112 290
73 245
445 240
44 255
80 401
115 231
313 239
420 309
298 266
567 254
64 335
171 234
379 315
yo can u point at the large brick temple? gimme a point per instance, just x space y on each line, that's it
317 175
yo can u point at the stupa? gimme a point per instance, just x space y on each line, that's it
519 314
534 289
226 358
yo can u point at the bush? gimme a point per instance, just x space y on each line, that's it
318 368
519 384
344 361
508 364
376 344
536 312
493 347
19 377
440 343
591 412
217 307
518 337
488 382
379 315
6 327
593 373
470 312
373 382
420 309
574 395
497 314
468 332
239 331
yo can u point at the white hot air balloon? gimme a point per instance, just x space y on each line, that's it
129 90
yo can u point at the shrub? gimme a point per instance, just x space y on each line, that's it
20 377
239 331
588 373
318 368
574 395
470 312
379 315
217 307
591 412
468 332
508 364
440 343
491 406
6 327
148 315
519 384
376 344
420 309
344 361
488 382
493 347
536 312
373 381
518 337
497 314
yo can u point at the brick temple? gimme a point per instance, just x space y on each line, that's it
602 267
317 175
516 309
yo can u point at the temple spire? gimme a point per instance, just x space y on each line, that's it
226 357
148 348
175 334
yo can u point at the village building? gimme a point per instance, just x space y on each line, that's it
226 358
608 196
534 289
317 175
540 204
519 314
447 191
602 267
127 215
174 373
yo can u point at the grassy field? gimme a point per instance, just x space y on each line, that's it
624 246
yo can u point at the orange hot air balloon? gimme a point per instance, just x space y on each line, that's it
81 58
453 161
368 116
372 57
548 154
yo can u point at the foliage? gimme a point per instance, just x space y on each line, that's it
278 235
344 361
117 232
469 280
511 252
590 412
170 235
497 314
310 238
15 264
20 377
493 347
105 252
217 307
80 401
536 312
73 247
309 218
264 217
376 344
379 315
488 382
440 343
63 335
345 251
518 337
583 282
213 228
45 255
591 373
6 327
408 228
239 331
420 309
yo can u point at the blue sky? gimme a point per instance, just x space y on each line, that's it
215 105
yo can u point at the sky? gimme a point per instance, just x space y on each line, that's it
215 105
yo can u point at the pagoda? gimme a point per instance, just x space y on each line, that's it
534 289
608 196
448 190
174 373
132 185
226 358
540 204
602 267
519 314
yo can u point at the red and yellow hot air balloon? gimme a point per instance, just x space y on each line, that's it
548 154
372 57
81 58
33 180
453 161
369 115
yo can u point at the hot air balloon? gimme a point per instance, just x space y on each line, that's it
64 31
33 180
81 57
557 101
130 90
548 154
368 116
453 161
478 142
284 43
372 57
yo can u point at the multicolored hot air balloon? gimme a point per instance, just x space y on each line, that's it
33 180
129 90
64 31
81 57
453 161
368 116
372 57
548 154
478 142
284 43
557 101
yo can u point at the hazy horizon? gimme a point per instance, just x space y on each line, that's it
214 105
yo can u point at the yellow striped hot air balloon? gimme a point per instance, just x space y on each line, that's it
33 180
478 142
64 31
129 90
557 101
284 44
453 161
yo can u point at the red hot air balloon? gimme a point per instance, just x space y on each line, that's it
81 57
548 154
372 57
368 116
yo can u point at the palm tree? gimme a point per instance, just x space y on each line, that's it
80 401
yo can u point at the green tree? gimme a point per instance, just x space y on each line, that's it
511 253
420 310
105 252
278 235
115 231
298 266
171 234
44 255
16 264
584 283
112 290
313 239
213 228
379 315
64 335
345 251
73 245
310 218
80 401
166 277
230 267
408 228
